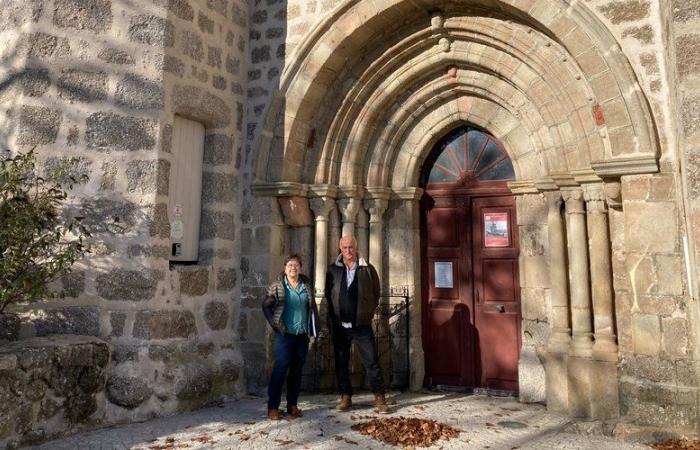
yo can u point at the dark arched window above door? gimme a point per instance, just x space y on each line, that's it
465 156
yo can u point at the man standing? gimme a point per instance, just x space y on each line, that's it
352 293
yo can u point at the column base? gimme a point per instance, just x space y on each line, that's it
605 397
556 382
605 349
579 374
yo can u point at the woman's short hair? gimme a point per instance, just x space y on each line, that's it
291 257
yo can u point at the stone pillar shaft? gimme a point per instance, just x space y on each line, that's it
321 207
362 231
605 346
581 323
376 208
556 374
560 339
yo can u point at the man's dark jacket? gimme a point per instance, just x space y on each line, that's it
368 291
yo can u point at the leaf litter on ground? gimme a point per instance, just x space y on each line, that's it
678 444
406 432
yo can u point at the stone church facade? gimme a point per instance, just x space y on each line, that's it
321 118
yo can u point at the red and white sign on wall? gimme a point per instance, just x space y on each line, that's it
496 230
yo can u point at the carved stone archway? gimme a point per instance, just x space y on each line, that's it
379 82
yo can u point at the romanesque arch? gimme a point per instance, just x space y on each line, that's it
377 83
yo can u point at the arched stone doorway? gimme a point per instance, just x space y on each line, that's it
378 83
469 256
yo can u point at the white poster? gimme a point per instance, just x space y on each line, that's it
443 275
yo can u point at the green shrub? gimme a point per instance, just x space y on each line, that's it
39 242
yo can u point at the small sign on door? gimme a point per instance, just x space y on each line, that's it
443 275
496 230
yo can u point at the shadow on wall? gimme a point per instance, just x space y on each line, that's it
266 61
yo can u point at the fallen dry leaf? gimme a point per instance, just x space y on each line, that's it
346 440
204 439
678 444
406 432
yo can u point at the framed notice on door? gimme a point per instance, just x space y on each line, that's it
443 275
496 230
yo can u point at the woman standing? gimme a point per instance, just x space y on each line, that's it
290 309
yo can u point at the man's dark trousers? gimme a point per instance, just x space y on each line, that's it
364 341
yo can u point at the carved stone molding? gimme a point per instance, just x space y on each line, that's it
634 165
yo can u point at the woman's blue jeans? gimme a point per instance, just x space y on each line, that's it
290 355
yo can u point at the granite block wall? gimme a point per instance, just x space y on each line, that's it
102 81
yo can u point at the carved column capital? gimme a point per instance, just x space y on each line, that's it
574 201
348 208
376 208
377 203
322 206
595 199
554 200
613 193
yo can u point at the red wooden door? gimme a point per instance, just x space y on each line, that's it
450 306
471 309
496 292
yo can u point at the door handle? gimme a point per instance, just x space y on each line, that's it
501 308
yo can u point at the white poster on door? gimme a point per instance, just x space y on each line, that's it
443 275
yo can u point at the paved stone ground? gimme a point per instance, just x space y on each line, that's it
243 424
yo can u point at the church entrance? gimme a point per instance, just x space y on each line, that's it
471 292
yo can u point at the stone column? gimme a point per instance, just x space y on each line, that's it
560 339
322 205
404 237
362 230
605 397
582 326
579 363
376 206
605 346
334 230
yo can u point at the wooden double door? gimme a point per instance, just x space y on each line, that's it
471 292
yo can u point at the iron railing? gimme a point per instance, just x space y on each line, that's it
391 326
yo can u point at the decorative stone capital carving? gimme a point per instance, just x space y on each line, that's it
348 208
376 208
613 194
595 199
322 206
554 201
574 201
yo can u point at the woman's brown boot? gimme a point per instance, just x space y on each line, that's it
345 403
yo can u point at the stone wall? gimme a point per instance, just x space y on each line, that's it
50 387
102 81
658 384
535 295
